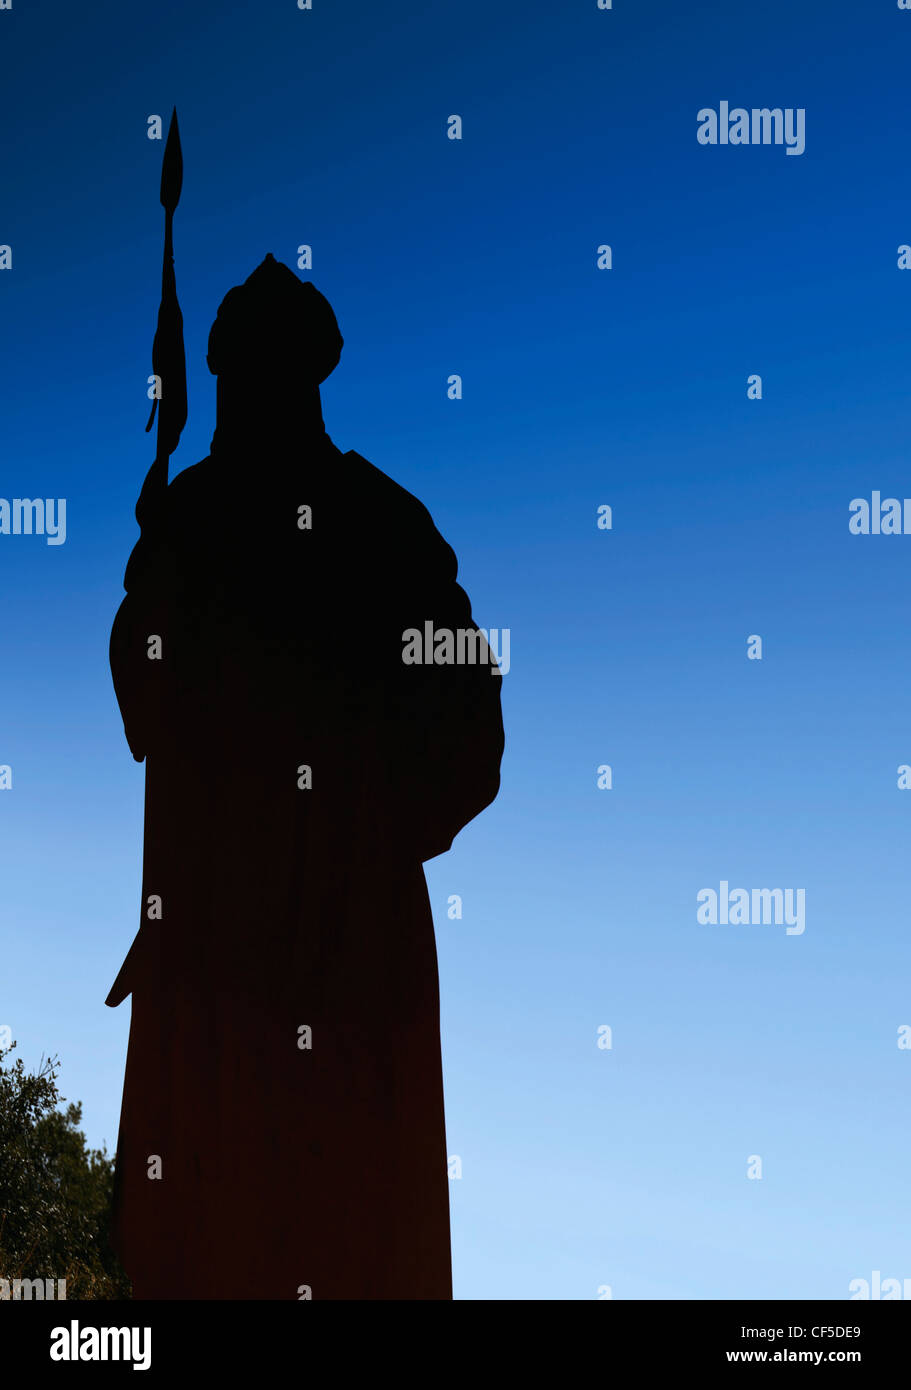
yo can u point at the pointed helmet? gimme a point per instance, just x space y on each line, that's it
275 324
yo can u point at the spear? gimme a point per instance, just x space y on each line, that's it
168 360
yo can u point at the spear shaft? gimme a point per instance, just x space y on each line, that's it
168 358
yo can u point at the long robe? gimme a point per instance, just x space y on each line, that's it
282 1131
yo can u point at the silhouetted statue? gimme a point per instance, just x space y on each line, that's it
282 1126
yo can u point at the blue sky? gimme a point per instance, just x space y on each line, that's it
581 1167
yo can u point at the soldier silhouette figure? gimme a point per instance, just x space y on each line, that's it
282 1129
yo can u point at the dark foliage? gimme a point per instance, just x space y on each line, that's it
55 1194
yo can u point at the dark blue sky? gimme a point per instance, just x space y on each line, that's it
581 1167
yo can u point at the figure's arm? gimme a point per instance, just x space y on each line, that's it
138 664
448 721
127 674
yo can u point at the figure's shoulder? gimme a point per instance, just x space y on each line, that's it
192 480
193 494
385 490
409 532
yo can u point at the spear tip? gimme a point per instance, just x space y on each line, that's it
172 167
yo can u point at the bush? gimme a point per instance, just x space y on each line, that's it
55 1194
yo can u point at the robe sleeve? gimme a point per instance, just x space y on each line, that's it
140 668
457 736
136 673
447 723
